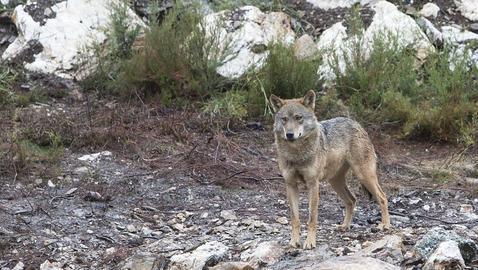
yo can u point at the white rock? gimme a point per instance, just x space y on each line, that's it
47 265
455 35
50 184
331 4
430 10
131 228
333 44
77 24
228 215
196 259
304 47
446 256
426 207
468 8
282 220
388 19
93 157
353 262
253 28
466 208
388 22
265 253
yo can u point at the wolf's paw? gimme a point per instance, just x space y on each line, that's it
342 227
383 226
310 243
294 242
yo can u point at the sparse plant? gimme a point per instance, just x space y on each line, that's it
104 60
231 104
179 58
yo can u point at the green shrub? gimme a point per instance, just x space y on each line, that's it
7 77
283 75
432 101
109 57
178 59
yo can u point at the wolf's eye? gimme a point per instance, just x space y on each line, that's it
284 119
298 117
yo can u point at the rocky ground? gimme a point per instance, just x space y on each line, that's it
220 201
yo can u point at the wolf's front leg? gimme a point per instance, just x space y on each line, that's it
313 187
293 197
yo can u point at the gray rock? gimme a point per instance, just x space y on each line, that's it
389 249
18 266
265 253
446 256
353 262
199 258
430 241
228 215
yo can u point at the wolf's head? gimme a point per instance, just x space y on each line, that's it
294 118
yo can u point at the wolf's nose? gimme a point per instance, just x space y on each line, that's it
290 136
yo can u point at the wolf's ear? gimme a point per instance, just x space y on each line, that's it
276 102
309 99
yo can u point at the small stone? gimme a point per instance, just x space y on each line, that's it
131 228
81 170
19 266
430 10
204 215
146 231
47 265
89 231
47 12
110 251
178 227
466 208
50 184
282 220
414 201
228 215
38 181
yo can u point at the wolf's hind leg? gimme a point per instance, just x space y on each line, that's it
339 184
367 175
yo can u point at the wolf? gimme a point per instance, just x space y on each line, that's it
310 151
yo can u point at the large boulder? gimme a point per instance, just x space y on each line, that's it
268 252
446 256
468 8
243 36
61 37
388 23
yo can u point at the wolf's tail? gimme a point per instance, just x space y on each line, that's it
367 192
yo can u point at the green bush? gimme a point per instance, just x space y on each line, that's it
283 75
432 101
109 57
179 59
